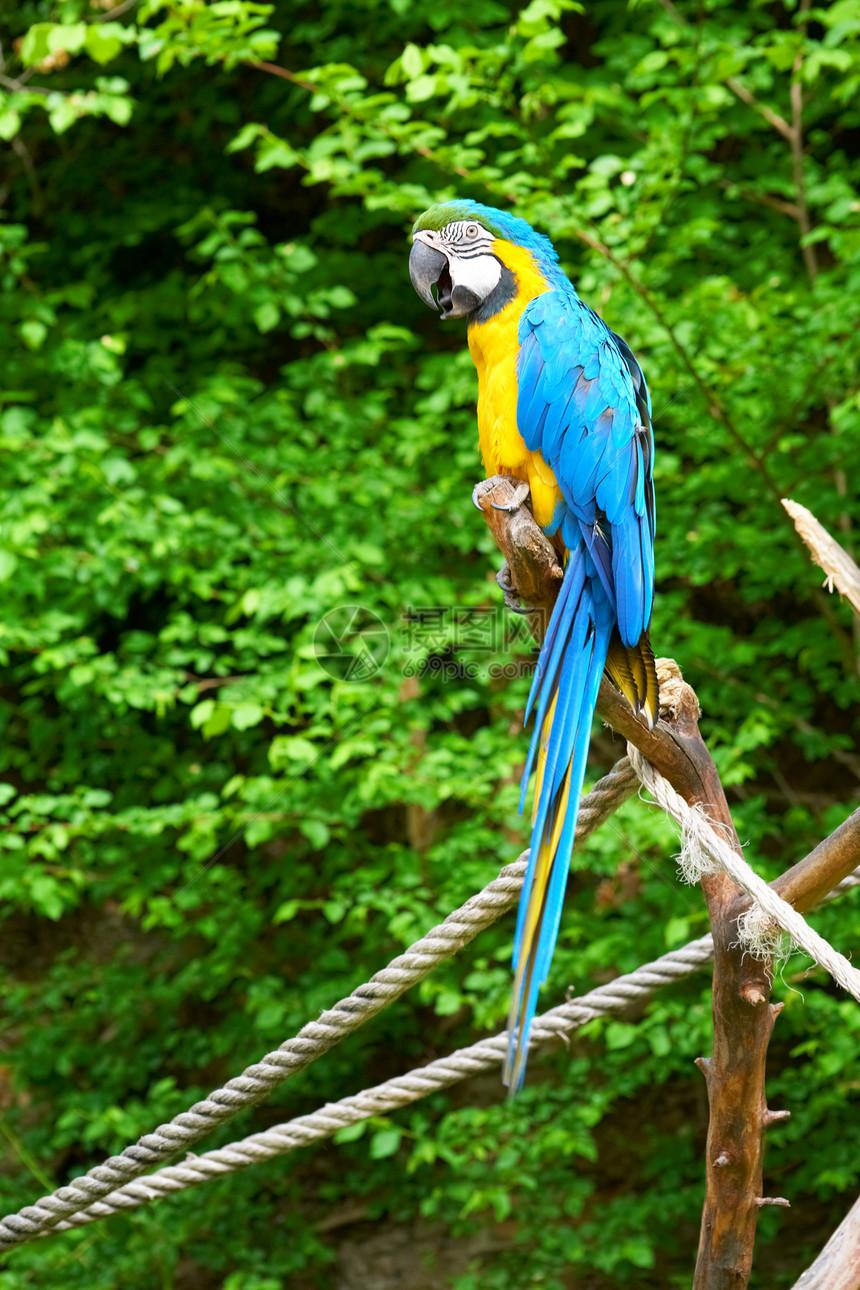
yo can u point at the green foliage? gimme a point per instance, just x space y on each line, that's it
231 434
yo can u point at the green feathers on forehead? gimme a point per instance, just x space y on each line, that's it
445 213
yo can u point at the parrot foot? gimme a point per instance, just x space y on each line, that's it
513 600
520 494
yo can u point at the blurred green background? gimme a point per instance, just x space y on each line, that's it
225 416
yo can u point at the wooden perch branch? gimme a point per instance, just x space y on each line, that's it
808 882
842 572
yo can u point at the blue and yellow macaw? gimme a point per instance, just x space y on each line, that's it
562 405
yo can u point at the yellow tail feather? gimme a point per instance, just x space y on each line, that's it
632 669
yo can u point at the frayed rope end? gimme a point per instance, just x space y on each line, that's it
759 935
693 860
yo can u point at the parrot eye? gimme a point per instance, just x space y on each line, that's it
471 231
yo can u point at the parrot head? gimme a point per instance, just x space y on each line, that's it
457 264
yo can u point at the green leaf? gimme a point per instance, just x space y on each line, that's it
46 896
384 1143
63 114
105 40
267 316
317 833
218 720
33 333
34 45
201 712
351 1132
412 61
10 123
287 911
8 564
286 750
246 715
67 37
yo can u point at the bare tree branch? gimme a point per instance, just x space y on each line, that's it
841 570
808 882
763 199
778 122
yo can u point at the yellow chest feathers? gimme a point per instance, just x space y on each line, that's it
494 346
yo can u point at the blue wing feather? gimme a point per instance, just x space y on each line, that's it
529 368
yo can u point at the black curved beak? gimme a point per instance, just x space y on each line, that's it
427 267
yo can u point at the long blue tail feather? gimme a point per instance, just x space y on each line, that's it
563 694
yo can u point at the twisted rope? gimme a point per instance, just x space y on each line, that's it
313 1040
635 987
707 851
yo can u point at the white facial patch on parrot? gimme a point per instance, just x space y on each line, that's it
471 262
480 273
